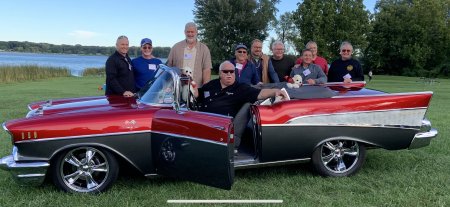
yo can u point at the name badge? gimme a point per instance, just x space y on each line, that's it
348 76
151 66
239 66
306 72
206 94
187 56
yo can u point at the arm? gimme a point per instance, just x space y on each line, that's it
321 77
267 93
111 76
273 75
170 59
206 75
359 75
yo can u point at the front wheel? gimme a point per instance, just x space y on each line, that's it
85 170
338 158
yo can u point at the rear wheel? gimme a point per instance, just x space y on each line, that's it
85 170
339 158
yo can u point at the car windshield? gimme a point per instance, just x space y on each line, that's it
160 90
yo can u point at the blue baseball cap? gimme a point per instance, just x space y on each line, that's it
146 41
240 46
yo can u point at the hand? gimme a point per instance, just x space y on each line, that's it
128 94
282 94
347 80
311 81
296 66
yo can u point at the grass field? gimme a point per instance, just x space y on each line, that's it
418 177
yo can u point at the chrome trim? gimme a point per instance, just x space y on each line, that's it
28 173
386 94
423 139
83 136
246 164
5 128
359 118
119 133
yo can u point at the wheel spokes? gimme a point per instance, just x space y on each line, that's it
91 183
73 160
89 155
102 167
329 146
328 158
340 165
73 177
352 151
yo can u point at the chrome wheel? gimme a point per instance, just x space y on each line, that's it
339 158
85 170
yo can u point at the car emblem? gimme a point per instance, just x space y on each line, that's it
130 124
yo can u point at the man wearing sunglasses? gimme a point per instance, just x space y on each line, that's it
226 96
345 69
245 70
145 65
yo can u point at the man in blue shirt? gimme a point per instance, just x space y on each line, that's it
145 66
245 70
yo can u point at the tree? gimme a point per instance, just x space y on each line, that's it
329 22
410 37
222 23
286 30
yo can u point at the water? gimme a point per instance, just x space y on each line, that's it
75 63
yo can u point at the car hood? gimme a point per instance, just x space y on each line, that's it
82 105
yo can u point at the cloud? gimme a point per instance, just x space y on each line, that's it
83 34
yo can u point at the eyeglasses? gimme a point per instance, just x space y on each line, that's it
228 71
241 51
145 48
345 50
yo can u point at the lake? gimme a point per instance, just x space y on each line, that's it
75 63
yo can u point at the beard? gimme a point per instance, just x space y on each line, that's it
191 40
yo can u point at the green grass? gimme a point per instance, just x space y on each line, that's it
94 72
418 177
9 73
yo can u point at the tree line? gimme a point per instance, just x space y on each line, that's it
401 37
16 46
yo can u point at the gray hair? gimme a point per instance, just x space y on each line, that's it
190 24
121 37
278 42
224 63
310 43
345 43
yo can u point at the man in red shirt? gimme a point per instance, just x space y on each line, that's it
311 45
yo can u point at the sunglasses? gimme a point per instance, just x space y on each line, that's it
147 48
227 71
345 50
241 51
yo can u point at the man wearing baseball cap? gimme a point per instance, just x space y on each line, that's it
145 66
245 70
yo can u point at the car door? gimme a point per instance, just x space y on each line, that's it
194 146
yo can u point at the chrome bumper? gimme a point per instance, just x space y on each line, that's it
27 173
424 137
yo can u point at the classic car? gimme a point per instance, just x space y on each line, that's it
81 143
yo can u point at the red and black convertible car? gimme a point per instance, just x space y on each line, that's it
79 142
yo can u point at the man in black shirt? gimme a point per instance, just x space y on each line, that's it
226 96
282 64
345 69
119 71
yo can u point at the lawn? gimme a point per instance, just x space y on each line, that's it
418 177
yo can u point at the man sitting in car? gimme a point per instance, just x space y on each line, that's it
226 96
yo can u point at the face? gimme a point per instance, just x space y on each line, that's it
147 50
313 48
241 54
346 52
191 34
256 49
278 51
227 76
122 46
307 57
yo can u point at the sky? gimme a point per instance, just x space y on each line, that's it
99 23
